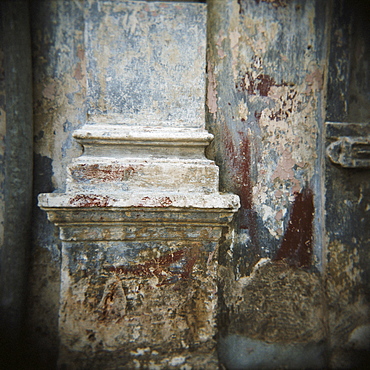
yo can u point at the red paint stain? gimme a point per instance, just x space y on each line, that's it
90 200
162 267
260 85
155 202
279 115
296 247
241 10
237 156
165 201
258 115
239 161
102 173
264 84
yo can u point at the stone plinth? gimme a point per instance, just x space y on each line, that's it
140 222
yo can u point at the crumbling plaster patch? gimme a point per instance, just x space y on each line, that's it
271 303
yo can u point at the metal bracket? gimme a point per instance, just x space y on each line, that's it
350 144
350 152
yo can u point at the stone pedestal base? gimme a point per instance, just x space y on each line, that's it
139 223
132 303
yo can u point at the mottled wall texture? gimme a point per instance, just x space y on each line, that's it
293 275
267 66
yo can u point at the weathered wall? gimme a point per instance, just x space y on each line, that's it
266 89
348 189
267 70
15 170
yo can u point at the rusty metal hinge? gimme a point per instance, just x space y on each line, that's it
350 144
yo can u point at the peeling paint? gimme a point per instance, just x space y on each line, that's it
90 200
140 213
102 173
153 79
267 72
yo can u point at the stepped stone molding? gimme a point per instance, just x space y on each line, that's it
161 174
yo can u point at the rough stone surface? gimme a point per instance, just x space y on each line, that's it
266 69
157 299
139 268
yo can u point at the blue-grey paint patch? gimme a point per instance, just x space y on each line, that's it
146 62
67 126
238 352
71 98
68 144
